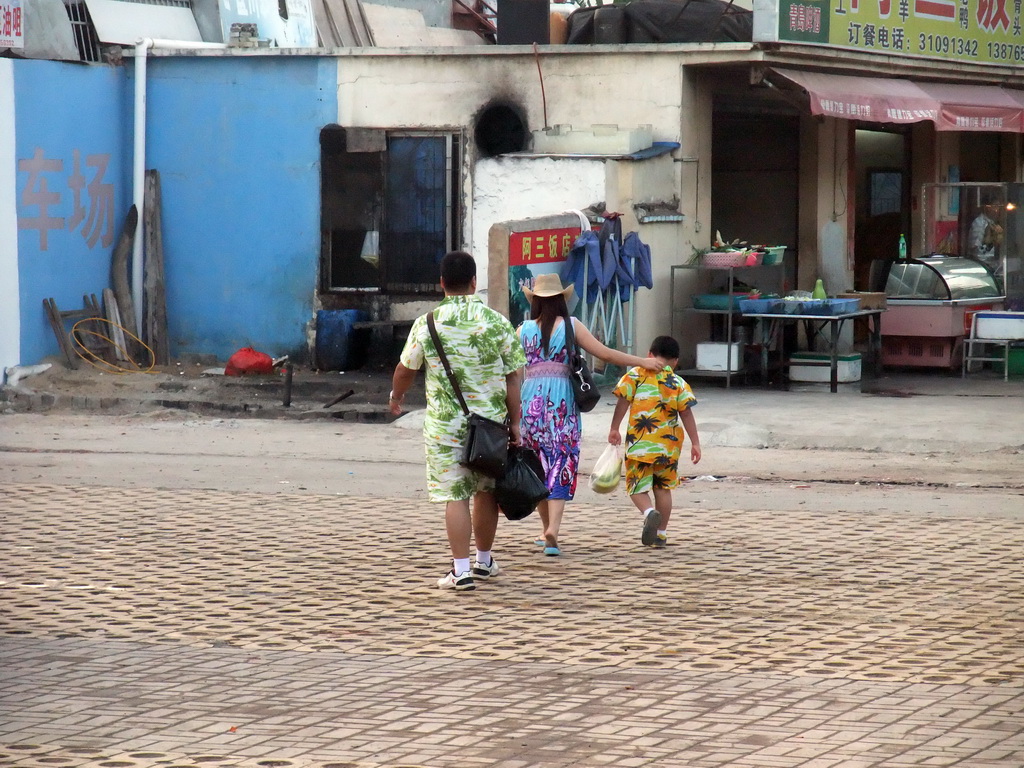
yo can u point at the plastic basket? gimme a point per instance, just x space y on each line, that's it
724 260
815 307
842 306
760 306
717 300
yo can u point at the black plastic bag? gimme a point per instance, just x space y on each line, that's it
522 487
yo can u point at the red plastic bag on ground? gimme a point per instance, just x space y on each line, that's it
248 360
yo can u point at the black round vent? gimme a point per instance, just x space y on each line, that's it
499 129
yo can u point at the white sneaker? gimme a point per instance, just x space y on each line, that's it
462 582
481 571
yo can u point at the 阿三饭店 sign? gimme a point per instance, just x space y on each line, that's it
533 253
980 31
543 245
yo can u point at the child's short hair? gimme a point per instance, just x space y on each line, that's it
665 347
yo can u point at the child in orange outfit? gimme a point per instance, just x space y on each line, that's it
659 405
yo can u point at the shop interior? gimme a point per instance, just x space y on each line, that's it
755 147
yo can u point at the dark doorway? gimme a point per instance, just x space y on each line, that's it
882 200
755 181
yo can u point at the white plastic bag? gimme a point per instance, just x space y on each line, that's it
605 477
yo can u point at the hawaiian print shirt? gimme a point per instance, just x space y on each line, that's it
482 349
656 398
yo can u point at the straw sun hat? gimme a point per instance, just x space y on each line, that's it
547 285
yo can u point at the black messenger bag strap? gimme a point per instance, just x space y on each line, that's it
445 363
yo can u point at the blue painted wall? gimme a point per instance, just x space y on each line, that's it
71 186
236 142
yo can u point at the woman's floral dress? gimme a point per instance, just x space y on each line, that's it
551 421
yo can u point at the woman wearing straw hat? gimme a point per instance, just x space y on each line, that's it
551 421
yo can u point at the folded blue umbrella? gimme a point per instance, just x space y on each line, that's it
610 238
586 252
635 262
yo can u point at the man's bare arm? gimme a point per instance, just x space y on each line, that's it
401 381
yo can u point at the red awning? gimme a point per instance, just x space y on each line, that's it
951 106
975 108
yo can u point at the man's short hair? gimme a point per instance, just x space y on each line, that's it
458 269
665 347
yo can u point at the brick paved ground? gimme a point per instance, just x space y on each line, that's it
183 628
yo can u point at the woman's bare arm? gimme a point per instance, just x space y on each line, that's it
589 342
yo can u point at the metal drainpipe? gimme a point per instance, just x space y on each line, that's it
142 47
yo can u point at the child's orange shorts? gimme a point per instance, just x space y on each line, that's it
643 476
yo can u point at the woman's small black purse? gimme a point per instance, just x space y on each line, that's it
580 376
486 449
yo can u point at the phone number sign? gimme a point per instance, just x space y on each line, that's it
540 246
978 31
11 34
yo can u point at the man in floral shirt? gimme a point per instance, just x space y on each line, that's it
485 356
659 405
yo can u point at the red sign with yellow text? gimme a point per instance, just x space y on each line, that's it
541 246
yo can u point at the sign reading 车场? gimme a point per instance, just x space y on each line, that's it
11 27
43 182
978 31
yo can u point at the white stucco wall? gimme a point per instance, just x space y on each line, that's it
10 306
509 188
441 88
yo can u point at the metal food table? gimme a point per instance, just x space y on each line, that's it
769 328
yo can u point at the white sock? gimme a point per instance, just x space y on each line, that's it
460 565
663 534
484 558
648 511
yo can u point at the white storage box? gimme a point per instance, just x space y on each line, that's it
999 325
847 367
719 356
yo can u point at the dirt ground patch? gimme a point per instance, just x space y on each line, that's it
203 383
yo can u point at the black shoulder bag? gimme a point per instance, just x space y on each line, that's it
580 377
486 448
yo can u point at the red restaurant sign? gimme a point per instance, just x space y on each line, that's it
541 246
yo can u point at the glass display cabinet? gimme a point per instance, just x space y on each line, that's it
930 302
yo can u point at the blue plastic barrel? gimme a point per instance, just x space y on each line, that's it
337 343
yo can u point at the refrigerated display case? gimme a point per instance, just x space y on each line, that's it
930 303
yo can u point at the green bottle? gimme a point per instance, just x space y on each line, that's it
903 247
819 290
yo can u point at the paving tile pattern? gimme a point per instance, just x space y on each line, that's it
142 628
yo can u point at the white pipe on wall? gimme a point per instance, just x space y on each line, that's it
139 174
142 47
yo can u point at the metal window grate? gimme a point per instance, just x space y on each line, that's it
85 35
